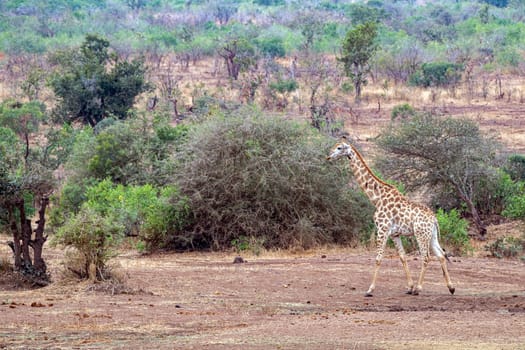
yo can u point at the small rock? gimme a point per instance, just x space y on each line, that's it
239 260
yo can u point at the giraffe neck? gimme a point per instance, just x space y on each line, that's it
373 187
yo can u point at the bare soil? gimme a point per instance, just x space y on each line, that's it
312 300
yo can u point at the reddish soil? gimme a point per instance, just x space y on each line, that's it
274 301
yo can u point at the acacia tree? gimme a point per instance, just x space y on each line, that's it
358 48
88 91
442 153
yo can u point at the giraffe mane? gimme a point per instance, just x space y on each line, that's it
370 170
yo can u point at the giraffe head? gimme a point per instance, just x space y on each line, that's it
341 149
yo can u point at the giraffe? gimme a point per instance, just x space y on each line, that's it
395 216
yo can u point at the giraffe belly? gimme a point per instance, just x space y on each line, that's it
400 230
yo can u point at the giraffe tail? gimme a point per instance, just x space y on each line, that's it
446 255
436 241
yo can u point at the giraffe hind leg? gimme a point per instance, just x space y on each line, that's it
438 251
424 265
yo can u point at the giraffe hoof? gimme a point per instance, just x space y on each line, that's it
368 294
415 292
409 291
452 290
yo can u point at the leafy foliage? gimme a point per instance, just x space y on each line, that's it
238 54
127 152
94 236
25 182
87 91
284 86
402 111
271 47
437 74
358 48
151 214
515 202
154 215
515 167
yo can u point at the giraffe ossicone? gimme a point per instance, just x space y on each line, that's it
395 216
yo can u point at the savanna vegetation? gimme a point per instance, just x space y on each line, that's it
204 124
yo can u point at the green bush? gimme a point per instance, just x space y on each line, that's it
453 230
284 86
507 247
128 152
266 179
515 167
271 47
94 236
403 111
437 74
164 218
515 203
155 215
493 192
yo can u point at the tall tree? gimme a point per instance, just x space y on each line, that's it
358 48
25 178
88 91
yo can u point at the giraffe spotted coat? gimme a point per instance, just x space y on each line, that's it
394 217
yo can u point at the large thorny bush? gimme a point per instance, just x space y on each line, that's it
265 178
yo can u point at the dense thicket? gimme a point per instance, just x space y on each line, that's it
253 176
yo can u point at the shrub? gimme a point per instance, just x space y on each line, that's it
152 214
284 86
515 167
271 47
507 247
164 218
493 192
403 111
453 230
266 179
128 152
94 236
515 203
437 74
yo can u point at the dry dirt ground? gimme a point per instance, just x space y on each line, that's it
311 300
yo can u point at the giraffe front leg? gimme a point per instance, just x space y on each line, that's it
402 257
381 243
